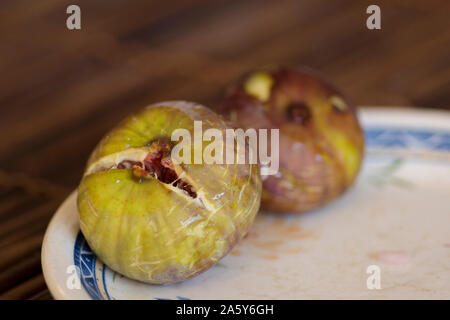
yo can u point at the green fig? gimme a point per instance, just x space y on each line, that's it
155 220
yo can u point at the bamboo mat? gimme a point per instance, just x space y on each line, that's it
61 90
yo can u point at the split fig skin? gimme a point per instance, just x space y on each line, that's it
156 220
321 144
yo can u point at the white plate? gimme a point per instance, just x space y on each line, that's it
396 219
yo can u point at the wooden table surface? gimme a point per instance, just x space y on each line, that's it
61 90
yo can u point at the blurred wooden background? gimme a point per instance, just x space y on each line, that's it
61 90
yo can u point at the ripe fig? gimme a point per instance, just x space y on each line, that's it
320 140
156 220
